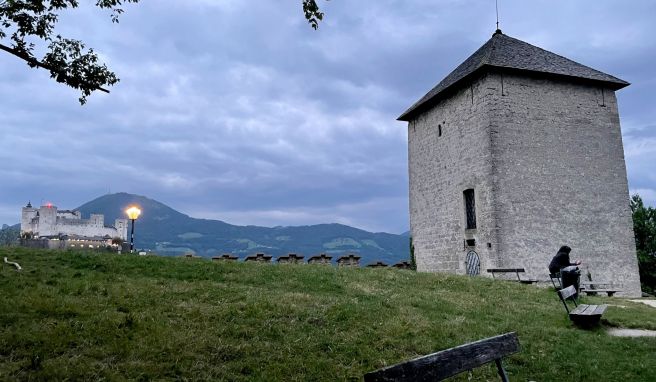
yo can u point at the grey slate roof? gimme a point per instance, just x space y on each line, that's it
505 52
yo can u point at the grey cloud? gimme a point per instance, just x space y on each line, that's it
245 114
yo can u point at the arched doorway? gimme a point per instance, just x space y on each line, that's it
473 263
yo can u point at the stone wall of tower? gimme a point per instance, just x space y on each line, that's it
27 214
560 178
121 228
440 169
546 161
47 221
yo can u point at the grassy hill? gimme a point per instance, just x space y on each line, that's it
79 316
168 231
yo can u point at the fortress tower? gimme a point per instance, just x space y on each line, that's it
515 153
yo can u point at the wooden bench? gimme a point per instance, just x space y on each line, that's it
446 363
593 292
594 287
582 314
516 271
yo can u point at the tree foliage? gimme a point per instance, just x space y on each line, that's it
9 235
644 227
312 13
28 27
413 260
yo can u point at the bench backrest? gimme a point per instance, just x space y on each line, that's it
556 276
566 293
446 363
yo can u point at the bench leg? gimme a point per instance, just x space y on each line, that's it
502 372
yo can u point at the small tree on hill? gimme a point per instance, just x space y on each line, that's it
413 261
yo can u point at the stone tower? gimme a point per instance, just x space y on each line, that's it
515 153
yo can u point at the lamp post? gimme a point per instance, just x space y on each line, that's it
133 213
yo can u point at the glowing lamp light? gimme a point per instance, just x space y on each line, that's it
133 212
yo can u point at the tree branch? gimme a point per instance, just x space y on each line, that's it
34 62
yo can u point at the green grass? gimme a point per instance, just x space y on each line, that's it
76 316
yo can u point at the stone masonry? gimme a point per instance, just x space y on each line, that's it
543 153
48 221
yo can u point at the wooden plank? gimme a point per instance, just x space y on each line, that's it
567 292
589 310
579 310
446 363
505 270
595 283
600 309
600 290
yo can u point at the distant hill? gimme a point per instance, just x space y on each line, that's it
9 234
169 232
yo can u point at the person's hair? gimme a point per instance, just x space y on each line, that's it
565 249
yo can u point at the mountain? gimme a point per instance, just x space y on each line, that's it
169 232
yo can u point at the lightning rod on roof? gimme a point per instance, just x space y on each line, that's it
496 3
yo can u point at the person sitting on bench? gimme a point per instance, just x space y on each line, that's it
569 272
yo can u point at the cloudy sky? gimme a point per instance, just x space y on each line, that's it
237 110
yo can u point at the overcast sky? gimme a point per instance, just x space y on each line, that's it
237 110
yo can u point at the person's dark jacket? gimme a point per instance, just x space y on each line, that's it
561 260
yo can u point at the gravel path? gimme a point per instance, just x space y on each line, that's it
619 332
651 303
631 332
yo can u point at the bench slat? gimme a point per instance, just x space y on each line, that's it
446 363
589 310
579 310
505 270
595 283
609 292
567 292
600 309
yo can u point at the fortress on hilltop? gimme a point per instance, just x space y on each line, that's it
515 153
50 223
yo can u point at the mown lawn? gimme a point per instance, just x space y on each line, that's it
77 316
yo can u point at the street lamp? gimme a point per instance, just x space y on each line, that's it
133 214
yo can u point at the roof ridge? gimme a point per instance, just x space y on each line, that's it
490 50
